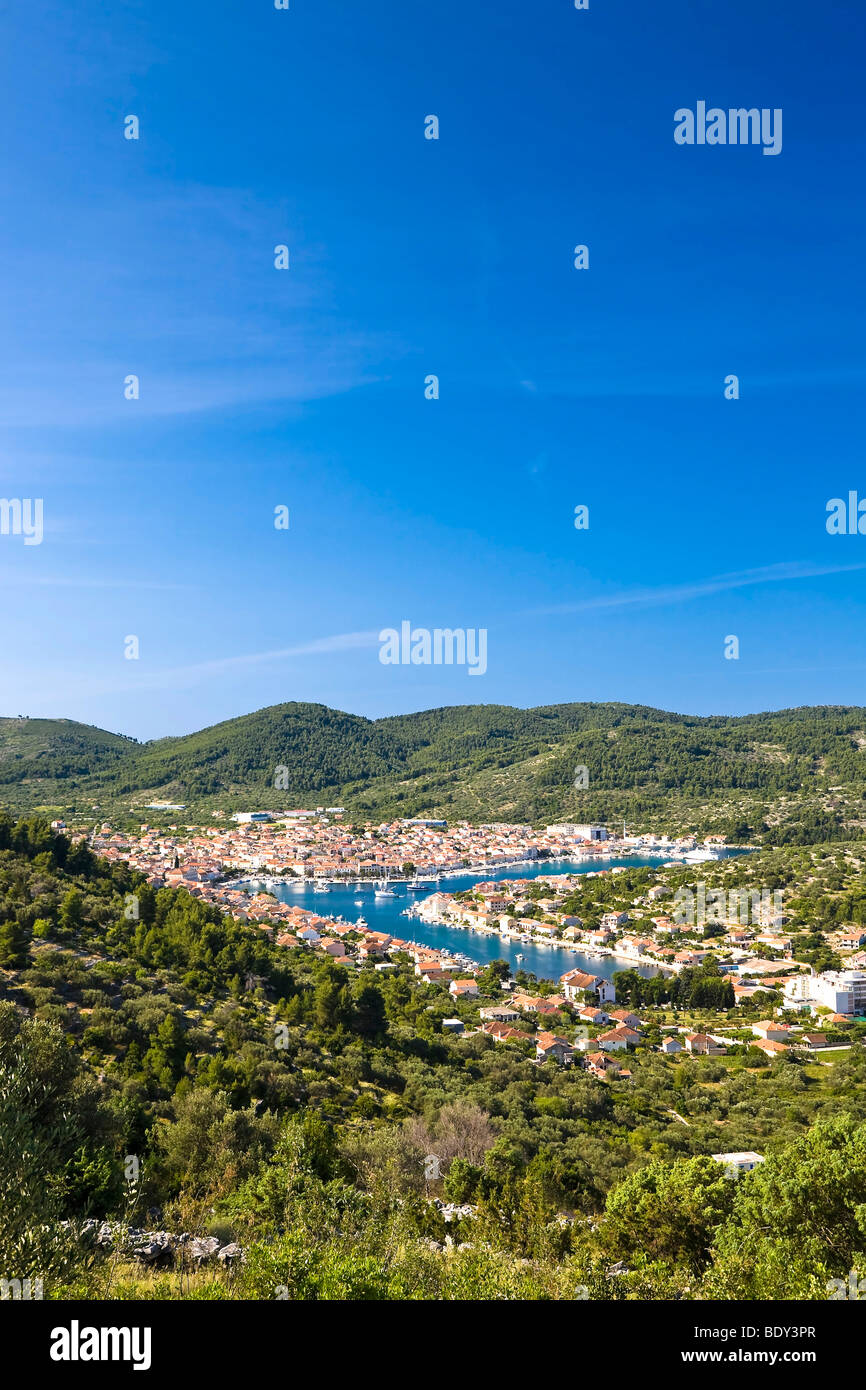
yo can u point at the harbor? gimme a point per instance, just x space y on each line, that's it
545 959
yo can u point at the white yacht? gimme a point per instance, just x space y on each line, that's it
383 890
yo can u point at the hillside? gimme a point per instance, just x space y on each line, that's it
266 1097
478 761
56 750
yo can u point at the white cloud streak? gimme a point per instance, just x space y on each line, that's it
181 677
787 572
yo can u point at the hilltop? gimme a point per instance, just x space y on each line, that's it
482 762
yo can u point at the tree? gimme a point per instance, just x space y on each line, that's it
332 1008
72 912
14 942
491 977
461 1130
798 1217
43 1125
211 1147
368 1011
669 1211
165 1057
461 1181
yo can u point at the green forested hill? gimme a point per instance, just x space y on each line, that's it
57 749
480 761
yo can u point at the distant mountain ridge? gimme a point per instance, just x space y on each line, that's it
478 761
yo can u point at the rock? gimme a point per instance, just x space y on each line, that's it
230 1253
203 1248
148 1254
105 1235
453 1212
156 1250
158 1247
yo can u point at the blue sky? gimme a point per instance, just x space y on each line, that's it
305 387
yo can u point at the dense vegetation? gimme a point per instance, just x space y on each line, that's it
54 750
794 775
271 1096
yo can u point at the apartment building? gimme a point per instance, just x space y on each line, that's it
840 991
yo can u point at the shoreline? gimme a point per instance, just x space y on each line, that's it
350 882
508 939
555 944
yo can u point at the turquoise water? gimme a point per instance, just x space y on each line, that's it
384 914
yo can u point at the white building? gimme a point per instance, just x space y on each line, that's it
575 982
843 991
739 1162
579 832
799 988
840 991
610 920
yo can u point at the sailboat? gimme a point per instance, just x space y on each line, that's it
383 891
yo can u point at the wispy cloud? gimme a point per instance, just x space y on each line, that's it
783 573
11 580
180 677
204 312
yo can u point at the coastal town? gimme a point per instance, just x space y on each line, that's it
234 867
320 846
